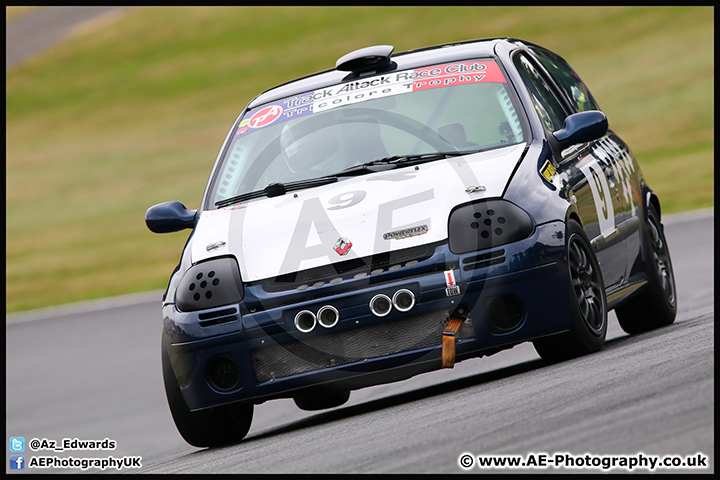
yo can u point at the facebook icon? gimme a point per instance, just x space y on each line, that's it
17 462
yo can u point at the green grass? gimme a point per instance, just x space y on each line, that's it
133 112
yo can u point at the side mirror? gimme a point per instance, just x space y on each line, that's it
582 127
169 217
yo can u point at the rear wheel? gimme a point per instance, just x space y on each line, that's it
209 427
656 306
588 309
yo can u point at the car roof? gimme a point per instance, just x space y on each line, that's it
409 59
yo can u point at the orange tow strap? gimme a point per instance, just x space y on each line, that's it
448 343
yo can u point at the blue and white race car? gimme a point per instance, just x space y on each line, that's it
399 213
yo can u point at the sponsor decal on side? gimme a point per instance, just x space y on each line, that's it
608 154
547 171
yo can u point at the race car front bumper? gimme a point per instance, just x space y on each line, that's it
253 351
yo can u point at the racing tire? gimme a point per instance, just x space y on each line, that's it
210 427
656 305
588 304
321 398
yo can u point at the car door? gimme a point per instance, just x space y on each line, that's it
622 177
589 169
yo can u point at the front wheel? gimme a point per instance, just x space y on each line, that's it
588 305
656 306
210 427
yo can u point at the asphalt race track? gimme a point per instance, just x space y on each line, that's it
36 31
92 372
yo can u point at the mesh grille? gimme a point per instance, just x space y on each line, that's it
353 345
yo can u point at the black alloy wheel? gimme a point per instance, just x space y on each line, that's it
656 305
587 285
588 304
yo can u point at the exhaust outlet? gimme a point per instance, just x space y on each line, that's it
305 321
403 300
328 316
380 305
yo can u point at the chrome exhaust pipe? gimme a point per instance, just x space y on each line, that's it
380 305
328 316
305 321
403 300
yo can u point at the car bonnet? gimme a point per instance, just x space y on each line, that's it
353 218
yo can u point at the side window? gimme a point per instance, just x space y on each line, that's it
568 80
547 105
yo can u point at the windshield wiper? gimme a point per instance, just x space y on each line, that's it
396 160
277 189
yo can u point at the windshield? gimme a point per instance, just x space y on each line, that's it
462 106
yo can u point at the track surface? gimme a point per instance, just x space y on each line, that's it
93 372
43 28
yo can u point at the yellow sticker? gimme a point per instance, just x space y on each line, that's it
547 171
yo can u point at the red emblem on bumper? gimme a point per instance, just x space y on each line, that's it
342 246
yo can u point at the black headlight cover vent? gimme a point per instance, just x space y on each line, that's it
486 224
210 284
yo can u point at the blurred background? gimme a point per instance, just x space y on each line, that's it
130 109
